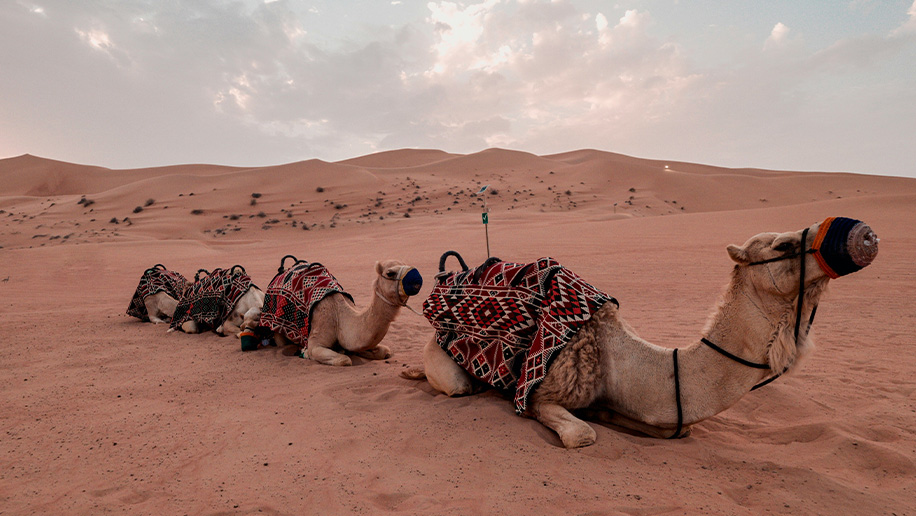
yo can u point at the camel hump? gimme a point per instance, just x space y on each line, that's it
413 373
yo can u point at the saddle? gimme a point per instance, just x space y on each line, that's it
211 298
154 280
292 296
504 322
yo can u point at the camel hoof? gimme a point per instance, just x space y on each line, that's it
585 436
342 361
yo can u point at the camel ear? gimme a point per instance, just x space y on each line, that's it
379 269
738 254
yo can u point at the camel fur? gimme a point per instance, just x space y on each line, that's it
338 327
607 371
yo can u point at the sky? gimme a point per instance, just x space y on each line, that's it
779 84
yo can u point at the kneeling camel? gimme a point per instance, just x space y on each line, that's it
758 331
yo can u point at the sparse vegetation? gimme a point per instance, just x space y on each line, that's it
138 209
149 202
319 189
256 195
197 212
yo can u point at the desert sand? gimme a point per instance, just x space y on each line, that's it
103 414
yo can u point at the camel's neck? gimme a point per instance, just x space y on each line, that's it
366 328
746 324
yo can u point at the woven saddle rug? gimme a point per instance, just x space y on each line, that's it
292 296
210 299
504 323
154 280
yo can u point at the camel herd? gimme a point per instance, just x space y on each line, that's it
581 357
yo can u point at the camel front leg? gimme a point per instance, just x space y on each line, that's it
613 418
326 356
379 352
573 432
443 373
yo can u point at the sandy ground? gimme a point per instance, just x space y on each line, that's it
101 413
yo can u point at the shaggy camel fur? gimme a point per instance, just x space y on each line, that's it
337 326
624 380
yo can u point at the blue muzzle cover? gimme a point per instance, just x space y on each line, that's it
411 282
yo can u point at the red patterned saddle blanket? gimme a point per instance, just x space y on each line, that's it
210 299
504 322
154 280
292 296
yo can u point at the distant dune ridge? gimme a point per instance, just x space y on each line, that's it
102 413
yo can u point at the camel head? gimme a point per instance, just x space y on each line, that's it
835 247
397 281
788 270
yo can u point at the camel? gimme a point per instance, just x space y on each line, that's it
326 324
221 299
157 294
608 372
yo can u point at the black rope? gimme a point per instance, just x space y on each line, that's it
677 398
801 284
733 357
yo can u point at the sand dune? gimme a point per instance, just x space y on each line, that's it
102 413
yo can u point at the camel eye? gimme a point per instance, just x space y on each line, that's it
390 274
785 247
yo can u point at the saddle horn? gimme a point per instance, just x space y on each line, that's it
283 262
445 255
197 274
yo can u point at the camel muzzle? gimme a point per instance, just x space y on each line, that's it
411 282
843 246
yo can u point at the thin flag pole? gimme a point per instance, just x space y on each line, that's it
485 216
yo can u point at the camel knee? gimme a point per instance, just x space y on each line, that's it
443 373
327 356
573 432
379 352
190 327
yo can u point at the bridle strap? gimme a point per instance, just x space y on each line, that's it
677 398
734 357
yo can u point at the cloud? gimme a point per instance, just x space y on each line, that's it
778 36
254 81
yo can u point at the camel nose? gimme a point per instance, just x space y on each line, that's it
862 244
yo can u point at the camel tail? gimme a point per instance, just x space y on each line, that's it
414 373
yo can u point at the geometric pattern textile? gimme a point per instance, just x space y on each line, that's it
210 299
292 296
156 279
504 322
